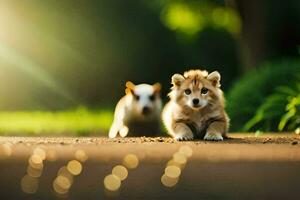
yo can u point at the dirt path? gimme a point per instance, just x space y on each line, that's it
243 167
238 146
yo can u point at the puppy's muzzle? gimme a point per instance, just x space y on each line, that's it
146 110
196 103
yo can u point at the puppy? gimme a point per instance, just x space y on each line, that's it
138 112
196 107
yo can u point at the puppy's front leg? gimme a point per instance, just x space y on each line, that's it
114 130
118 128
118 123
182 132
215 131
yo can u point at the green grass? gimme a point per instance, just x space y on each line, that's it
78 122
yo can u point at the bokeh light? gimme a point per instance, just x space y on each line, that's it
179 16
175 166
173 163
120 171
58 189
112 182
180 158
36 162
131 161
74 167
40 152
63 182
29 184
227 19
168 182
36 173
172 171
63 171
192 18
5 150
80 155
186 150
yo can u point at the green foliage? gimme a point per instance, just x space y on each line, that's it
79 122
247 96
291 119
281 109
191 18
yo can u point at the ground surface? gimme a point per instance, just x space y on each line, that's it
242 167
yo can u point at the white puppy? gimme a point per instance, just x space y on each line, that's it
138 112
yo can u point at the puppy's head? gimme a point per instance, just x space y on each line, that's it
196 89
145 98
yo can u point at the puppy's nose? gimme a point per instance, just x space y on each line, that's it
146 110
195 102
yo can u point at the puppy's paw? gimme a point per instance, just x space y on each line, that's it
124 131
184 137
213 137
113 132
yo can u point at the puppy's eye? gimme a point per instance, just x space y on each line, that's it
187 91
204 90
137 97
152 97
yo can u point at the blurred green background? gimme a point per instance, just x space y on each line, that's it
64 64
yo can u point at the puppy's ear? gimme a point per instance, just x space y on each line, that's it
129 87
156 88
214 78
177 79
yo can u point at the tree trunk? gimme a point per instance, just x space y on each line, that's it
252 42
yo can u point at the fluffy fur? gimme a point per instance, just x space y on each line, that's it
138 112
196 107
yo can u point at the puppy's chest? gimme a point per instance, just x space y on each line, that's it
197 119
198 122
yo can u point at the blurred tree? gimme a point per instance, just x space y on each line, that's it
252 41
269 30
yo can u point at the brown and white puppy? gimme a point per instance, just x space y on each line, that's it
138 112
196 107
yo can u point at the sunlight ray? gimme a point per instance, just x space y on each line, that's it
34 70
